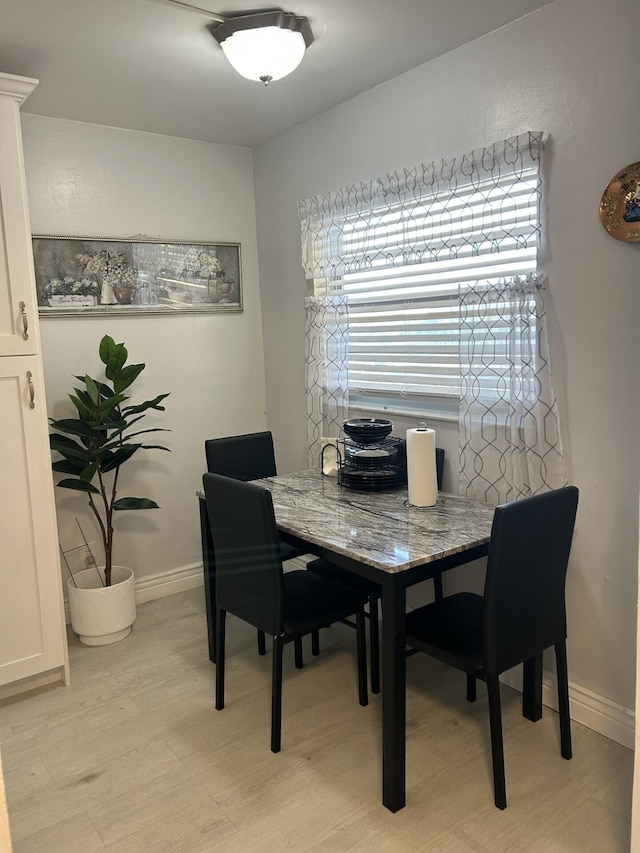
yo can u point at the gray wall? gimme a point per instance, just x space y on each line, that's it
569 70
84 179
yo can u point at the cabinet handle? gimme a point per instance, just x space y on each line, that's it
25 321
32 390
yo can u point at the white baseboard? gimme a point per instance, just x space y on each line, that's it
168 583
591 709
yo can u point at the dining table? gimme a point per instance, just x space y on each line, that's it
380 536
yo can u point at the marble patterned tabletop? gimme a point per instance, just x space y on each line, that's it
376 528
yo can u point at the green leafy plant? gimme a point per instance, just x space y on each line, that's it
95 445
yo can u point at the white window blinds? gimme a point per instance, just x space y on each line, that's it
401 246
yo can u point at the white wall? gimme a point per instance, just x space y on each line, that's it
570 70
96 181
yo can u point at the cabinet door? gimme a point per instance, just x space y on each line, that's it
32 630
18 301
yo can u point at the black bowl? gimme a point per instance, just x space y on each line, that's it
367 430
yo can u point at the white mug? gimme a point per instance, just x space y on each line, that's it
329 456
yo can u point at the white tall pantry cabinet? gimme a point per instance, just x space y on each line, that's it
33 646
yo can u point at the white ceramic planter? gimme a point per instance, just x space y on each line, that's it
102 614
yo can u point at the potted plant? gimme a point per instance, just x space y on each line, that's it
94 446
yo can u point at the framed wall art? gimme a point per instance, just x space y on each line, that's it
90 275
620 205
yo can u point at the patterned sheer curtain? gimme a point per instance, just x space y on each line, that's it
327 376
510 443
454 213
440 265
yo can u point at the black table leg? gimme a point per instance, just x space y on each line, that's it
209 567
394 671
532 688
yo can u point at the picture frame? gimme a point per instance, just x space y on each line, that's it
620 205
80 276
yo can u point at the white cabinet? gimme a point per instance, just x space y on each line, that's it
18 304
32 630
32 638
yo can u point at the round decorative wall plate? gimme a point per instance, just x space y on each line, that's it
620 205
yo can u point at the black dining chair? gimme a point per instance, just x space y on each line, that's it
250 457
242 457
372 591
521 613
251 585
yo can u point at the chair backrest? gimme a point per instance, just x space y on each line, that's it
247 551
524 610
243 457
439 466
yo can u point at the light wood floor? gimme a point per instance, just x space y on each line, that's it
133 757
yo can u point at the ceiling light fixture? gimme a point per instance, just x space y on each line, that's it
264 46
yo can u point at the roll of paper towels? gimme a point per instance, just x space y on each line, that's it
421 467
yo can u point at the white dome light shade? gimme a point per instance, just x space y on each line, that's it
264 46
267 53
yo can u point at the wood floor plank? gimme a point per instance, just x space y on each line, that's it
56 741
27 780
5 729
89 695
591 826
154 813
361 839
541 782
123 773
193 830
76 835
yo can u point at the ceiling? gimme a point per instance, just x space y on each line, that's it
153 66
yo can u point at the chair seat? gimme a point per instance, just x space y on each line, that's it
335 573
371 591
450 630
309 601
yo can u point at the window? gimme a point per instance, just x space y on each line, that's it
402 246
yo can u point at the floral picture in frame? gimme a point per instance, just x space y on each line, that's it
103 275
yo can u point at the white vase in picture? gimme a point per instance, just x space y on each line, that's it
102 614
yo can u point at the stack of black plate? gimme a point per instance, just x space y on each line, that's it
370 479
367 430
372 460
370 456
